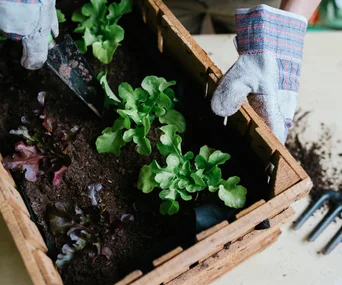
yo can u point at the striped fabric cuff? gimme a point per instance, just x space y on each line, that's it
22 1
264 28
12 36
280 33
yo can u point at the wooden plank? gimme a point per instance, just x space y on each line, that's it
167 256
25 248
30 231
184 50
171 277
282 175
222 262
211 84
261 144
240 121
250 209
12 196
151 14
214 76
212 252
130 278
226 259
214 69
47 268
4 174
273 141
227 234
204 234
183 47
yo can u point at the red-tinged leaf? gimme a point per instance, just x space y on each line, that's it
58 175
26 159
92 253
49 122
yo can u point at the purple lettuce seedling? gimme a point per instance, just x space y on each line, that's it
84 228
45 149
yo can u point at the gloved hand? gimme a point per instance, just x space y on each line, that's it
270 45
31 21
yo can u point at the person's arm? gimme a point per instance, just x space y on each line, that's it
301 7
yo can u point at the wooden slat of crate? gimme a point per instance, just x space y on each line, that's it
30 231
229 233
250 209
213 80
176 42
282 175
9 193
213 268
130 278
25 248
167 256
260 143
226 259
150 13
240 121
274 143
4 174
210 231
47 267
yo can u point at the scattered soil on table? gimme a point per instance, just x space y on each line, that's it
314 157
135 59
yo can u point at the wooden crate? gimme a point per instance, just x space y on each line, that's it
217 249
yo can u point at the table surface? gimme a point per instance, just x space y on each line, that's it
291 260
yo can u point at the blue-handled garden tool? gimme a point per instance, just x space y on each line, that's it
336 198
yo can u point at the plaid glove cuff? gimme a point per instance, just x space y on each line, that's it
264 29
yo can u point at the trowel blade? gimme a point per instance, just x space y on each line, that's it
69 64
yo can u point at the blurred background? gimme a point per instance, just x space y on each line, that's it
217 16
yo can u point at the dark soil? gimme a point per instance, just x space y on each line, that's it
135 59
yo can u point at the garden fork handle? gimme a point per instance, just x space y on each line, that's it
335 241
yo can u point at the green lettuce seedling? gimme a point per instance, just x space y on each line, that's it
137 109
60 16
185 175
98 24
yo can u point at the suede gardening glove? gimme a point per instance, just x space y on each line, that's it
270 46
30 21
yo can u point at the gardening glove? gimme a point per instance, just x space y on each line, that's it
270 45
30 21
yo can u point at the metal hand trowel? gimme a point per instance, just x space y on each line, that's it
69 64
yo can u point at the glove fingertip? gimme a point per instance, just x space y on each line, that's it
34 54
55 27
